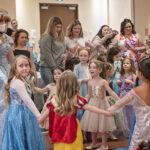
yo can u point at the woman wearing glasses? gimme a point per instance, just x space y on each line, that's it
129 41
6 56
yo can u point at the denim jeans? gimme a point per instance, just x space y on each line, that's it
46 75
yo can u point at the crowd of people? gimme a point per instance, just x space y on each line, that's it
96 86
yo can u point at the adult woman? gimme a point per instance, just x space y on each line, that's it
6 56
21 38
74 39
129 41
101 41
52 49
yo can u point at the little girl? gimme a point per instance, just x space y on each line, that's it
119 121
139 98
114 57
52 89
21 130
92 122
82 73
127 81
64 128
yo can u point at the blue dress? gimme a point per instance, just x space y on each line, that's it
21 130
82 73
4 70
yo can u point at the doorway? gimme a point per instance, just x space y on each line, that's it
67 13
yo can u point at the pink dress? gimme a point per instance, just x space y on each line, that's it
93 122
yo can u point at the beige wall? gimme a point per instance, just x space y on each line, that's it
92 14
142 16
118 10
10 6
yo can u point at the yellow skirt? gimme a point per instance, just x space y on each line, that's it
76 145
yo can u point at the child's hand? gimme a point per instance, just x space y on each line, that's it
118 82
109 114
128 81
38 119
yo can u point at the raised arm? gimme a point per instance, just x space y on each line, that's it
110 91
20 88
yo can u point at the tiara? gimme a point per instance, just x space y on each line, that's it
143 57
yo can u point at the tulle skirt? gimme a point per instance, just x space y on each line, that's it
21 130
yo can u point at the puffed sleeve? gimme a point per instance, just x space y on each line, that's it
80 102
20 88
121 103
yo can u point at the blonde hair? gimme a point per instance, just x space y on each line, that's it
53 21
99 64
67 89
70 28
13 73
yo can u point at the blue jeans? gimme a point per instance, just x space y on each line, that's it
46 75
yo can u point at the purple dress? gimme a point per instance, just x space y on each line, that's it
128 109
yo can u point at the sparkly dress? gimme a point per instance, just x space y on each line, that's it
142 112
21 130
93 122
4 70
128 109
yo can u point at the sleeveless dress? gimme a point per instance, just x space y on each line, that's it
93 122
4 70
21 130
142 112
128 109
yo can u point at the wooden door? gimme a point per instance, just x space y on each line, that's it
66 12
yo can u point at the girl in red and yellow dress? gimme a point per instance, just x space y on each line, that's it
64 128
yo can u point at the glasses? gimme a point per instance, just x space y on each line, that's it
3 21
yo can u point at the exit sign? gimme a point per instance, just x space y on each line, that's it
60 0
